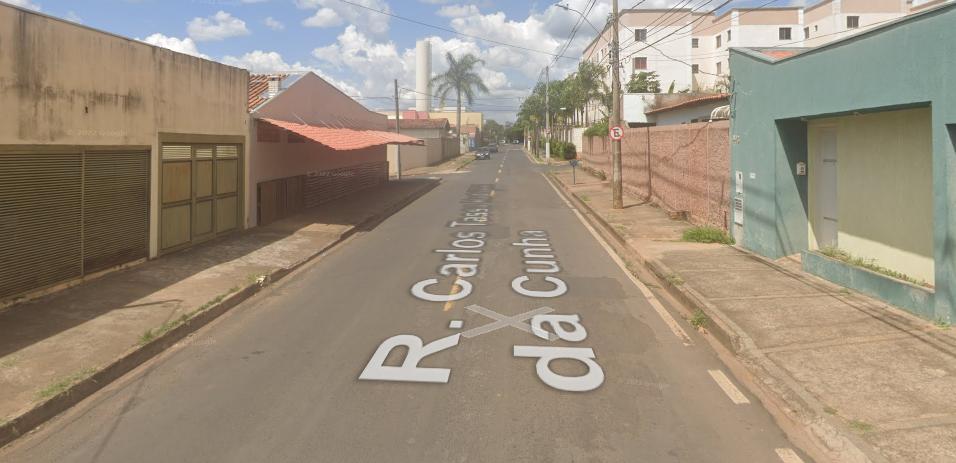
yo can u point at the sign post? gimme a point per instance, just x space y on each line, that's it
574 170
616 133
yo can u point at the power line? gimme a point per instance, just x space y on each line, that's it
452 31
672 33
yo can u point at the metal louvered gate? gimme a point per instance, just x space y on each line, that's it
199 193
65 215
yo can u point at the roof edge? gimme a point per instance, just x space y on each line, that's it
938 9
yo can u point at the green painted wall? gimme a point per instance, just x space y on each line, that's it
884 188
901 65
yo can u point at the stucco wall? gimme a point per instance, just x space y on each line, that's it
311 100
275 160
685 115
688 167
884 188
415 156
857 80
66 84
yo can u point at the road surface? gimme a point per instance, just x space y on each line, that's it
304 372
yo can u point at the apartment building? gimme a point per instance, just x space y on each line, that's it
690 49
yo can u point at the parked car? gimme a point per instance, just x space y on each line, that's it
482 154
492 148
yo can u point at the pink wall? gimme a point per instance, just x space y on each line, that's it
690 167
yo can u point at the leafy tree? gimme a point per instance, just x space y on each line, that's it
492 131
461 78
644 82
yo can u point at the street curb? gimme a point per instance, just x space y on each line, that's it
136 356
825 439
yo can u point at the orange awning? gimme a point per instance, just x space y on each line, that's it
345 139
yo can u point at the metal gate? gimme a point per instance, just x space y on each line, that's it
199 193
65 215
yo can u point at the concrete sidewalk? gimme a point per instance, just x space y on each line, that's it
449 166
865 381
57 349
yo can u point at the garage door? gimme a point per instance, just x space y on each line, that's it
66 215
199 193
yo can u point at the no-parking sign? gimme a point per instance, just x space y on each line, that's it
617 133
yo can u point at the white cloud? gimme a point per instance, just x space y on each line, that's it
185 45
274 24
72 16
324 17
457 11
25 4
333 13
219 26
263 62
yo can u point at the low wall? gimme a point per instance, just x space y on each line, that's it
680 167
418 156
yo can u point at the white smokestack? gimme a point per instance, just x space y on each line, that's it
423 75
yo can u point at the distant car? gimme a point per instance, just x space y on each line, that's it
493 148
482 155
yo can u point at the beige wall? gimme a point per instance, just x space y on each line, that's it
65 84
314 101
873 6
415 156
884 186
770 16
270 161
467 117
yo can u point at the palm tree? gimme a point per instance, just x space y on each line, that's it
462 79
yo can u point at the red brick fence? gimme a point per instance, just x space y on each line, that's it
689 167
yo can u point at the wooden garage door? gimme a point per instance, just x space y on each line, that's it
199 193
65 215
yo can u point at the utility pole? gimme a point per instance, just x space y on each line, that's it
617 200
547 115
398 123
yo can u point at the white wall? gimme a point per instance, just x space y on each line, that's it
685 115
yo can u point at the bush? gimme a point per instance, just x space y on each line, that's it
599 129
707 235
563 150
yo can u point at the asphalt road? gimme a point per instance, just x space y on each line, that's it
278 378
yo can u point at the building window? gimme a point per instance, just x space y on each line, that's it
718 68
718 41
695 69
852 22
640 63
728 36
640 35
785 33
694 43
816 28
806 32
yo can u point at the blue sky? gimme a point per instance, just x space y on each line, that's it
358 50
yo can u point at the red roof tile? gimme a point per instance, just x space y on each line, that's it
345 139
692 102
258 84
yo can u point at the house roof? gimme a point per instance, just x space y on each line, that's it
420 123
691 103
258 84
341 139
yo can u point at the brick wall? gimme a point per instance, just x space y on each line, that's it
689 167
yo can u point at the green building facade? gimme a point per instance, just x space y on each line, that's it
849 151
